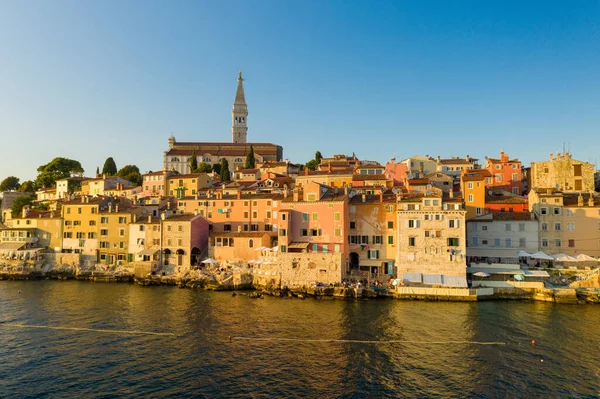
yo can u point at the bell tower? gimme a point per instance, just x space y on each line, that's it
239 114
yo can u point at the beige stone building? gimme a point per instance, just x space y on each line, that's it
561 172
431 236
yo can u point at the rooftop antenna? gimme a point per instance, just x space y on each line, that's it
563 147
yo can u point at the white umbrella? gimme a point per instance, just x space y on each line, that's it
209 261
585 258
565 258
275 249
523 254
481 274
556 256
541 255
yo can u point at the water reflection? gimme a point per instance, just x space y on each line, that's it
199 360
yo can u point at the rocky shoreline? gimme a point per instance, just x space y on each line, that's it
242 284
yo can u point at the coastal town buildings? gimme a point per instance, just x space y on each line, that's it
184 240
155 183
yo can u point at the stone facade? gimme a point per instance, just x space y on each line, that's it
294 270
431 236
561 172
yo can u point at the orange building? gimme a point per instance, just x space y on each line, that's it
472 185
506 173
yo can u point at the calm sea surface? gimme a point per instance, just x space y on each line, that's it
199 362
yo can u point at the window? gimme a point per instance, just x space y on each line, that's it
337 248
246 214
557 211
484 227
391 240
507 227
453 223
304 232
104 232
122 232
373 254
337 216
315 248
453 242
282 232
142 227
544 226
484 242
577 170
470 198
352 225
475 241
508 243
557 243
496 242
544 211
498 178
268 214
305 219
521 242
122 220
378 240
80 235
498 167
390 225
521 226
478 211
571 226
571 243
337 232
79 210
315 232
104 244
557 226
413 224
364 239
283 216
515 177
91 235
412 241
226 227
315 216
470 185
569 212
104 219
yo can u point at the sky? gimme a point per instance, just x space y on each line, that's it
89 80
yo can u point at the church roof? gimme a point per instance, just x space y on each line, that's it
239 94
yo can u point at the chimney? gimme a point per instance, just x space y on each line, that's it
239 194
239 229
25 211
305 171
117 208
551 156
83 199
467 158
580 200
110 207
295 195
364 197
451 194
346 190
163 216
149 218
195 212
381 196
135 218
591 200
285 193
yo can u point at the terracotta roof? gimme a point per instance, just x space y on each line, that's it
36 214
502 216
181 217
572 200
502 199
476 175
187 176
372 198
223 149
458 161
418 182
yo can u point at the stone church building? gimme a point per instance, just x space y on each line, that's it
179 154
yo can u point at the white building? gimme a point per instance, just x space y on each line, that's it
501 235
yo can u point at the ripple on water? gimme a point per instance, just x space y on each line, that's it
199 362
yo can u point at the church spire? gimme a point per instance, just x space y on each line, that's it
239 114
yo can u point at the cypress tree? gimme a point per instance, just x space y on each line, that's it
250 160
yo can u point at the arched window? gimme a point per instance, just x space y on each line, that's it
239 160
174 159
250 243
206 159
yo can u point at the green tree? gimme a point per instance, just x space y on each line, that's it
97 171
27 187
58 168
250 160
20 202
9 184
318 157
224 174
204 168
131 173
110 167
194 163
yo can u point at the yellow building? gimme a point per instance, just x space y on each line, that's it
563 173
186 185
44 228
431 237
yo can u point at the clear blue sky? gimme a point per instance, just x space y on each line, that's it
93 79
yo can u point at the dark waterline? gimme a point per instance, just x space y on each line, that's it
198 361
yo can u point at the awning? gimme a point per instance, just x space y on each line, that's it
298 245
454 281
12 246
541 255
536 273
148 252
585 258
432 279
412 277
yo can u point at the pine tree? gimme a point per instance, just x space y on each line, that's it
225 176
250 160
110 167
193 163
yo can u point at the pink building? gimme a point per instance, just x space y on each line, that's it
314 219
155 183
396 172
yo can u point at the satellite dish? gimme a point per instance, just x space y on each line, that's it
557 186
